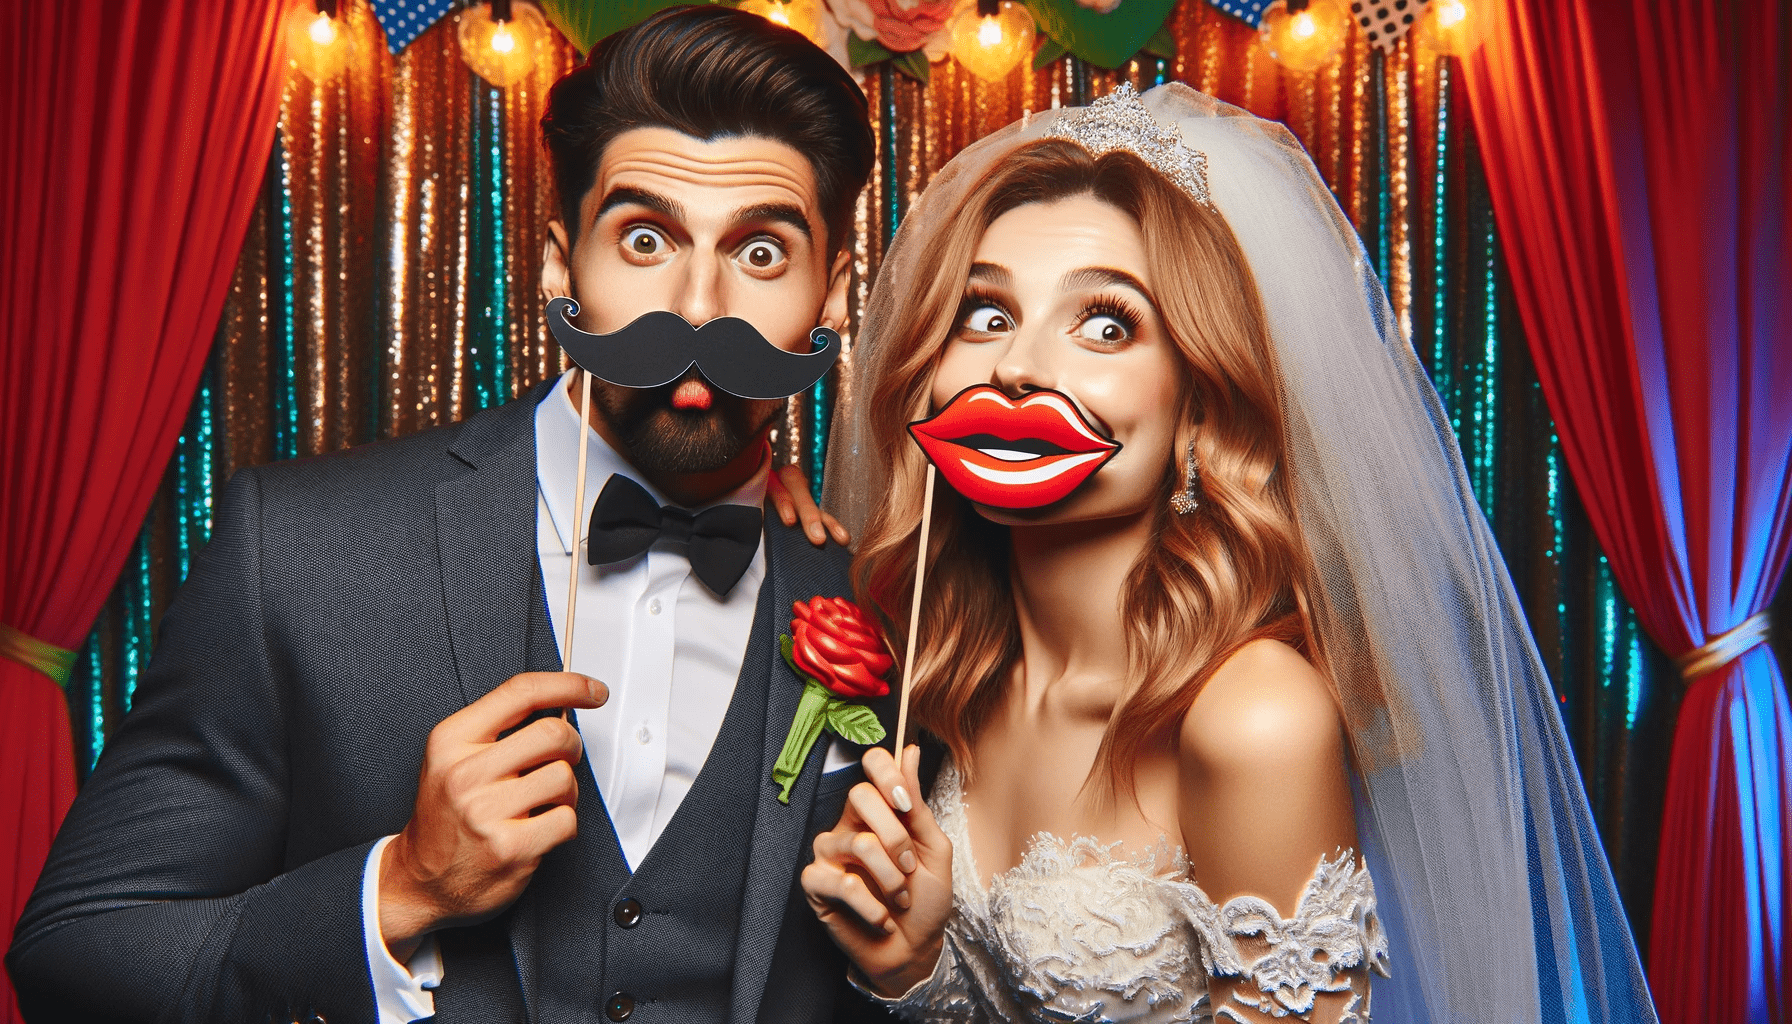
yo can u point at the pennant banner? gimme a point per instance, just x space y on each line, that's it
1248 11
1384 22
405 20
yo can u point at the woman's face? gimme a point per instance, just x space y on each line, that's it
1059 296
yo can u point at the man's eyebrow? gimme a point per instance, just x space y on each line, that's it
1101 277
781 213
993 273
626 196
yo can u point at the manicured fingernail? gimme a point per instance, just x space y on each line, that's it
899 797
907 860
904 900
815 534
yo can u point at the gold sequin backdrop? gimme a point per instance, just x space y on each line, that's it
388 284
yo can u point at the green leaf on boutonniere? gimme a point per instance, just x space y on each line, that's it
855 723
860 52
913 64
1049 51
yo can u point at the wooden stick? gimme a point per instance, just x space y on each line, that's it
578 533
914 615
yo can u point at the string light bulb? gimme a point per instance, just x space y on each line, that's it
802 15
502 40
316 40
991 38
1304 35
1453 28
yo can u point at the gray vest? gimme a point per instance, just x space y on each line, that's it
590 942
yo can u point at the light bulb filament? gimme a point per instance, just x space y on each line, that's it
503 41
322 30
989 33
1303 26
1450 12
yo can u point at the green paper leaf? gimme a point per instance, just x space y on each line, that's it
1107 40
1049 51
913 64
854 722
860 52
584 22
805 729
1161 44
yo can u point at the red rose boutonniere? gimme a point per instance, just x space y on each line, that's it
841 660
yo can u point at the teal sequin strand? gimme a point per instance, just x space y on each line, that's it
487 359
138 595
283 388
892 211
195 471
821 402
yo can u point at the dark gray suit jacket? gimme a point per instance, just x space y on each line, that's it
211 867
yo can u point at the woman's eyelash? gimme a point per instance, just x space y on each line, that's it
976 298
1113 306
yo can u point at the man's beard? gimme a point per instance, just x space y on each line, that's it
659 439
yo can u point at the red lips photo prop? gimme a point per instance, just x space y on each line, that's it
1011 454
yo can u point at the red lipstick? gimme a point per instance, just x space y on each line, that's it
1012 454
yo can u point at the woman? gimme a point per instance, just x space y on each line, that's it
1251 713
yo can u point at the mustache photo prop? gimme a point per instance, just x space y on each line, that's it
658 347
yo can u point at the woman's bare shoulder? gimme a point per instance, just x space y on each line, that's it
1265 708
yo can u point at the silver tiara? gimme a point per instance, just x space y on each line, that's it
1120 121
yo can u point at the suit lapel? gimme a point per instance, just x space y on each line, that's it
779 830
485 535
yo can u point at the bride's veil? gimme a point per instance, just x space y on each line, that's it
1490 879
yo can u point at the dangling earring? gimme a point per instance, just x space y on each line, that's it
1187 500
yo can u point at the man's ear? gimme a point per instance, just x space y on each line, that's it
833 310
556 263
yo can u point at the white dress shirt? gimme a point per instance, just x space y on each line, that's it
669 650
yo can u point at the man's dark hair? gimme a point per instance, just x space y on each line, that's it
712 72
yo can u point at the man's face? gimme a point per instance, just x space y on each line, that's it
725 227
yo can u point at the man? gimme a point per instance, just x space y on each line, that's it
346 793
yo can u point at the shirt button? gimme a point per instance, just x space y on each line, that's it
628 913
653 606
643 736
620 1007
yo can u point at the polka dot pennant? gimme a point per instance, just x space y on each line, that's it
1385 21
1248 11
405 20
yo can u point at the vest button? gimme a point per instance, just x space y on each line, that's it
628 914
620 1007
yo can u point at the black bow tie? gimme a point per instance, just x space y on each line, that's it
626 521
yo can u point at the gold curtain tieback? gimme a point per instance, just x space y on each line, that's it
1723 648
29 651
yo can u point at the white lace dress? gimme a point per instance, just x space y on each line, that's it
1077 933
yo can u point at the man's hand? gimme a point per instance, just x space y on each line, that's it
488 809
789 491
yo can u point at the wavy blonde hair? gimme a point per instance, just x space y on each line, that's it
1209 583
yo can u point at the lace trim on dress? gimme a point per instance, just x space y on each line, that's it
1078 931
1334 930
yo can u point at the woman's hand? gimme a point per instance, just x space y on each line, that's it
789 490
882 879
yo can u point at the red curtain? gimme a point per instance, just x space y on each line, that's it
1637 154
133 139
